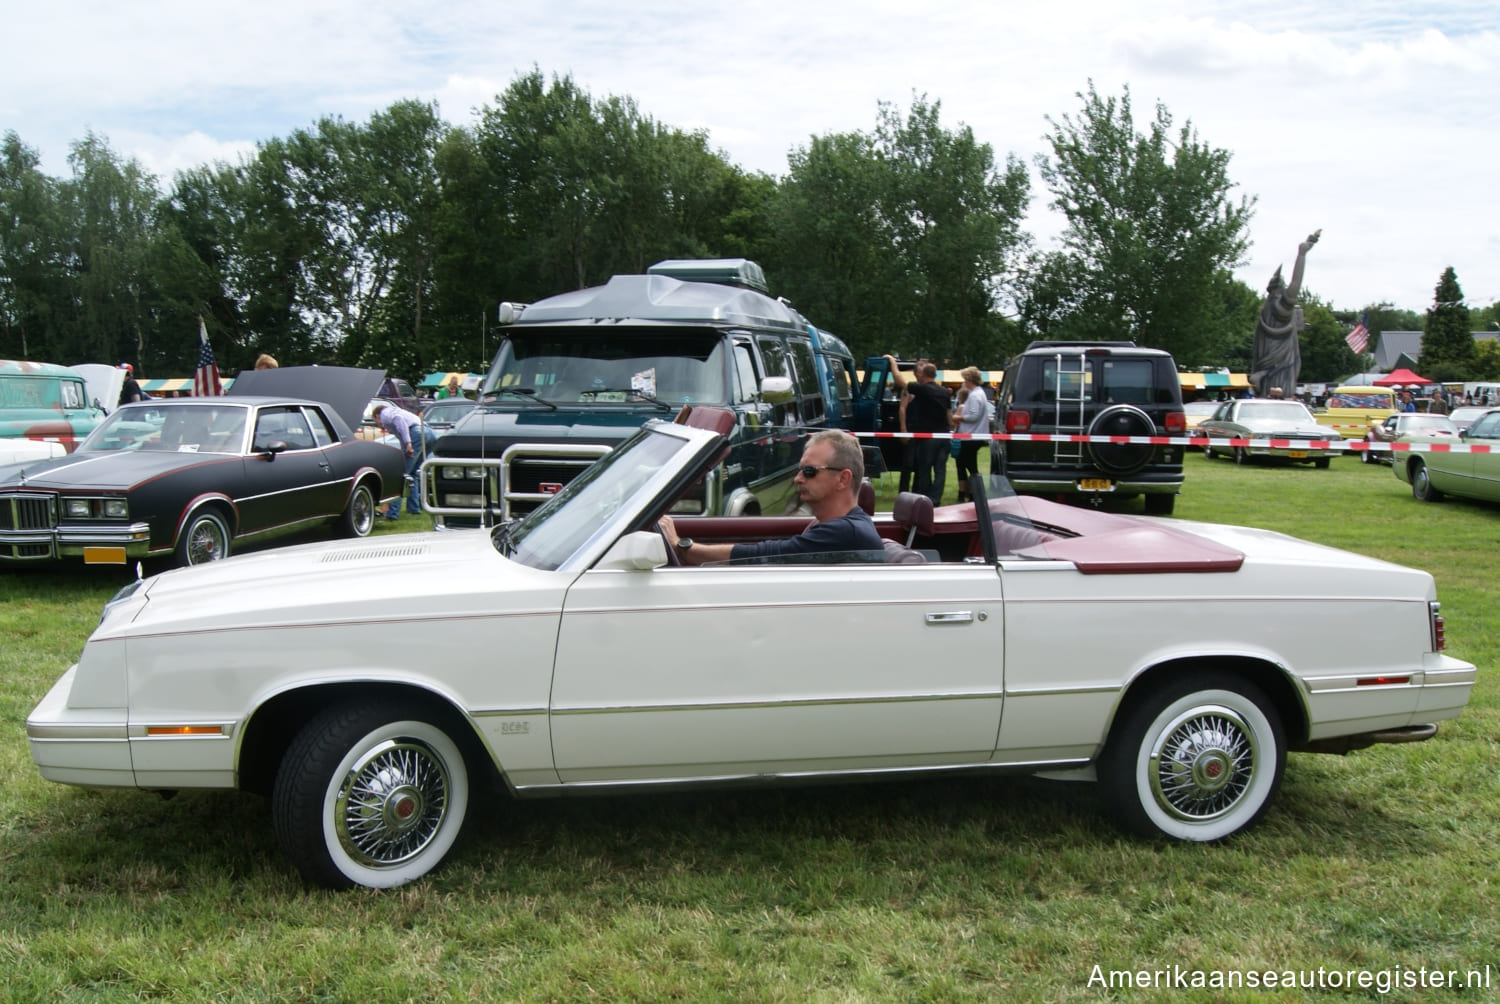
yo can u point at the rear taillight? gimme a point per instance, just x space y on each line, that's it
1017 421
1176 421
1439 634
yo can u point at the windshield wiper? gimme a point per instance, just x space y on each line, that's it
594 392
527 392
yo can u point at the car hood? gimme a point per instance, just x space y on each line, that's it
114 470
451 574
345 389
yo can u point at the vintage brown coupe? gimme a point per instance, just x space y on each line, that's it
191 478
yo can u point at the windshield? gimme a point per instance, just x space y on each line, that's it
589 503
617 366
194 427
1425 423
1275 411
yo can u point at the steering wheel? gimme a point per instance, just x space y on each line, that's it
674 557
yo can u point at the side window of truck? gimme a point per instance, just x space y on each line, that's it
773 356
747 383
807 380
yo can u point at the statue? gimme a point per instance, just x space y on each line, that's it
1278 356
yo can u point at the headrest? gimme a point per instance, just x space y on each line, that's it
720 420
867 497
915 511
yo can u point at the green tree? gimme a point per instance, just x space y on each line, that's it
835 261
956 217
1150 227
903 240
1326 357
34 293
1447 339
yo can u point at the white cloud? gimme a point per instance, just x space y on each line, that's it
1376 121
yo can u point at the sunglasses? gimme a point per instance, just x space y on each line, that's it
808 471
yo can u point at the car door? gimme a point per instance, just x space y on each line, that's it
295 484
1474 474
732 670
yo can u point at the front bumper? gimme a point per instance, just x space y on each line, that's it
71 746
111 545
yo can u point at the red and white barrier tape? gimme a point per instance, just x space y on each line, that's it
1338 445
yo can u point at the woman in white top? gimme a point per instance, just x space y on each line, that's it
971 415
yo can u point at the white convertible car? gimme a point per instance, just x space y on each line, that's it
372 687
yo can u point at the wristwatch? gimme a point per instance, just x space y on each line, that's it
684 543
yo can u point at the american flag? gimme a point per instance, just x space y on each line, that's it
206 376
1359 338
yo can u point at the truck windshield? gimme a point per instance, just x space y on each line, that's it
619 366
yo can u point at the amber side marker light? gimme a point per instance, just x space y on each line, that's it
184 730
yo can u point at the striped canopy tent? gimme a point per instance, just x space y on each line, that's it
1213 381
435 380
161 386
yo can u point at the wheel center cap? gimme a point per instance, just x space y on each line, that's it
403 807
1211 770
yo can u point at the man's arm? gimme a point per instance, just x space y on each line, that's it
896 375
698 554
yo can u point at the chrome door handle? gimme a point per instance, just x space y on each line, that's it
950 617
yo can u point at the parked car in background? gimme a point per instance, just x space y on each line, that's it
1195 412
14 451
1351 410
190 479
1470 475
444 413
396 391
1095 389
568 652
1269 419
45 402
1405 424
1465 416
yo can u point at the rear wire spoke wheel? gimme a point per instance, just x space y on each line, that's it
1198 761
368 795
359 516
204 539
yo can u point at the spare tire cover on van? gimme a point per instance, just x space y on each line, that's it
1122 458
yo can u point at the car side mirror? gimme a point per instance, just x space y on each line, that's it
639 551
273 448
777 390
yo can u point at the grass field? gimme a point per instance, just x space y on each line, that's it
1382 862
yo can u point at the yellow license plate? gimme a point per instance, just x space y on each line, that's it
104 556
1096 485
1296 454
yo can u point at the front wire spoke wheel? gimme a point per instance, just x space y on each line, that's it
392 803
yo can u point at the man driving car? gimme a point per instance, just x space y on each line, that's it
827 482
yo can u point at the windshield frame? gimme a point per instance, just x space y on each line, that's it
573 529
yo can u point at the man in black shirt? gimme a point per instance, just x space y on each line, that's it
827 481
130 390
927 407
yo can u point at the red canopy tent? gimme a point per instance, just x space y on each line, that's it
1400 378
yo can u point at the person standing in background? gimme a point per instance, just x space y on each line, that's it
971 416
927 406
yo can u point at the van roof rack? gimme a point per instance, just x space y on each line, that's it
741 272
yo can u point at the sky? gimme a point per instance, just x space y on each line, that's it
1377 122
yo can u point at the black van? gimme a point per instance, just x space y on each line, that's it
1066 388
577 373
